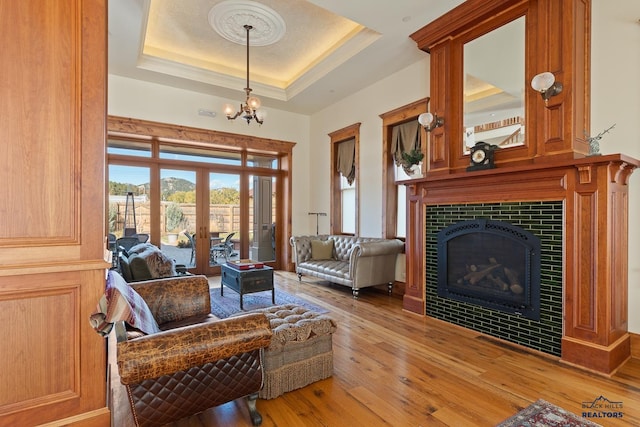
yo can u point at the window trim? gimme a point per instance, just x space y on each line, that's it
336 137
389 191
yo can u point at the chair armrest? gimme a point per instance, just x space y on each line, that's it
164 353
175 298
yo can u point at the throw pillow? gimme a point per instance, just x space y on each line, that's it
121 302
321 249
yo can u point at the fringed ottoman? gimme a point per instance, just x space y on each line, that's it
300 352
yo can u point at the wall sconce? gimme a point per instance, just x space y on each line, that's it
546 84
429 122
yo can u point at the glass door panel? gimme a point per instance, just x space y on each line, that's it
225 225
178 215
122 181
262 217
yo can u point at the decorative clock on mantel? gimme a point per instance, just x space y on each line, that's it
482 156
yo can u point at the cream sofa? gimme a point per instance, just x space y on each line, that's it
352 261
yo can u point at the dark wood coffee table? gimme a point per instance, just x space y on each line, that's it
247 281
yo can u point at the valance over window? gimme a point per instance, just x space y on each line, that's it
346 159
404 138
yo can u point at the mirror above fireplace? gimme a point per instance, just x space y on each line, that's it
537 40
494 87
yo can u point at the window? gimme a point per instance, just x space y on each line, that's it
344 174
203 155
399 135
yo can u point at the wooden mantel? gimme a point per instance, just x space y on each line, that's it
595 285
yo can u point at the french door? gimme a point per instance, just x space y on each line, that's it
202 218
201 207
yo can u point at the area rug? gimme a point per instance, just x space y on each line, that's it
224 306
543 413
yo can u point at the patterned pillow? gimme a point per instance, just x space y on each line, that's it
121 302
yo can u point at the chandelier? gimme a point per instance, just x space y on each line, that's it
248 110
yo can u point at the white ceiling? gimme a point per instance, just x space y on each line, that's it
329 49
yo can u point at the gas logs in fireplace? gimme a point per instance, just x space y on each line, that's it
493 264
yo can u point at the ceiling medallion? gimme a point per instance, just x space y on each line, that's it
229 18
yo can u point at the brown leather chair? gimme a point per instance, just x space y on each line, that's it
196 362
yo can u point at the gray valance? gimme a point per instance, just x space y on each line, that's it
404 138
347 159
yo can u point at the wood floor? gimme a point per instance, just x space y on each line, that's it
393 368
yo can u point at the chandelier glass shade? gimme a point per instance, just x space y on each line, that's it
249 110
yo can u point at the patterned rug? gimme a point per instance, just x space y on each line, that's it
543 413
224 306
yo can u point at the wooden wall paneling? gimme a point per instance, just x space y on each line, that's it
437 153
55 367
52 266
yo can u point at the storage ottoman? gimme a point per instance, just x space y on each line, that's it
300 352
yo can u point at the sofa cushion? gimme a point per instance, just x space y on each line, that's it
321 249
121 302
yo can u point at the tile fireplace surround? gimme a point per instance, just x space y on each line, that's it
594 191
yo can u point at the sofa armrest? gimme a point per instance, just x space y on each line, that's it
382 247
164 353
175 298
379 248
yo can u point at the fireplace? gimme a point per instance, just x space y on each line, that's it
578 207
493 264
535 228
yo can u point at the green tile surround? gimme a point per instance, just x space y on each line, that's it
545 220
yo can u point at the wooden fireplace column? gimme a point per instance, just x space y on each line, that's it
595 268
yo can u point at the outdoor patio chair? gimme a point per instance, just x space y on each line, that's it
192 241
123 244
224 248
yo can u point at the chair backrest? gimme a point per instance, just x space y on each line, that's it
143 237
127 242
227 239
191 237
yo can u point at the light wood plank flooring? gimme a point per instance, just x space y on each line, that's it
394 368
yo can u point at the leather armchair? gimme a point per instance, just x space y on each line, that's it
197 361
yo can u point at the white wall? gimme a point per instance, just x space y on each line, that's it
365 107
615 99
